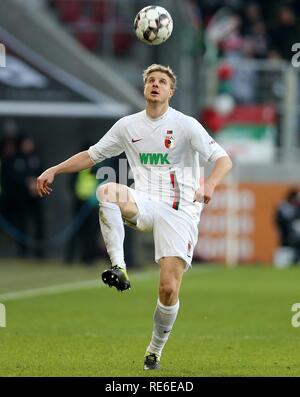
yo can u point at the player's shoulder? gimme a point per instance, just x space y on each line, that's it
130 118
182 117
187 123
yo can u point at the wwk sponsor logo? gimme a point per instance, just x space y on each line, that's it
154 158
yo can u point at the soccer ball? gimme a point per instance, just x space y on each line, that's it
153 25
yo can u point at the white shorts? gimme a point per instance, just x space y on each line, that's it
175 232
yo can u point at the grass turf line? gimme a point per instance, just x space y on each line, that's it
231 323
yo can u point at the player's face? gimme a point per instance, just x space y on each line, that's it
157 88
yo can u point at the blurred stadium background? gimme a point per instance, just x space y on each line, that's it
73 67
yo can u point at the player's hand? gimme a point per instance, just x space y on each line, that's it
43 182
204 194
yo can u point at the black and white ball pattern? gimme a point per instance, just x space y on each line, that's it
153 25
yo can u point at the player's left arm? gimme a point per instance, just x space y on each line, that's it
210 151
221 168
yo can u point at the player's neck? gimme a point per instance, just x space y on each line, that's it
155 110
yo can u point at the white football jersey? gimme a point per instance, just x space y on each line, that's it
163 154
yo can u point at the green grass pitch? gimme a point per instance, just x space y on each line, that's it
232 322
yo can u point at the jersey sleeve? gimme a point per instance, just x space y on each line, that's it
203 143
109 145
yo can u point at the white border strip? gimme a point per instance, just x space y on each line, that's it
62 288
52 70
51 290
62 109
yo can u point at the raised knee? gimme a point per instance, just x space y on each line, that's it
108 191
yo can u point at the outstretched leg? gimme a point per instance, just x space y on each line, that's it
171 272
116 202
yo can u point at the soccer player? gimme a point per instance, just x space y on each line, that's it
163 147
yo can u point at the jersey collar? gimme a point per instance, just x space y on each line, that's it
158 118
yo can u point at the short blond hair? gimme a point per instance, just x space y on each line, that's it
160 68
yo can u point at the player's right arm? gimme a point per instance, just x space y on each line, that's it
108 146
76 163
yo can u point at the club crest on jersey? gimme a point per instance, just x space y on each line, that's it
169 140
